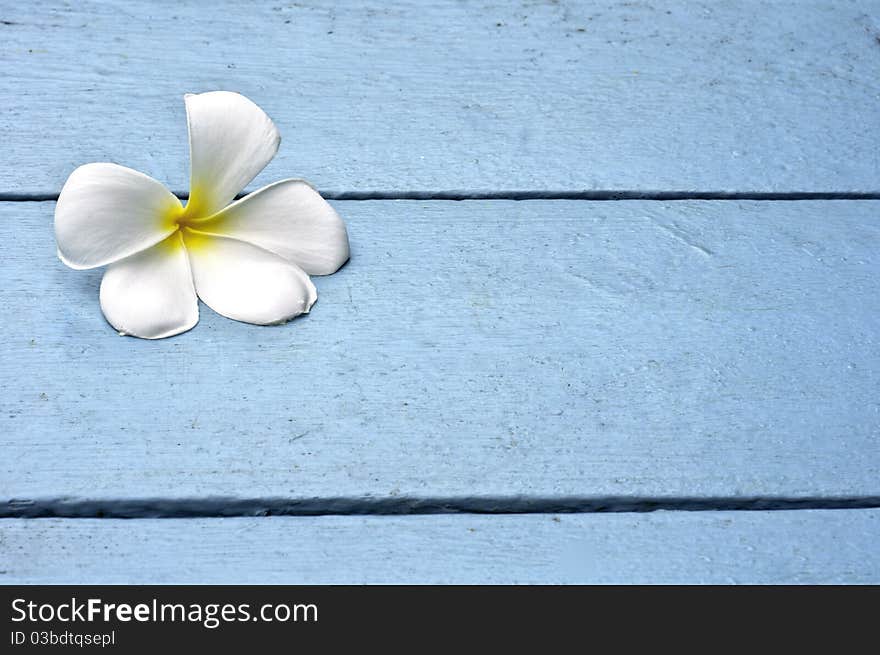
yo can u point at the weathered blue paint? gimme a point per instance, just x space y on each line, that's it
742 95
536 348
519 353
663 547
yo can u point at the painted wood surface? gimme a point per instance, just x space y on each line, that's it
533 349
433 96
678 547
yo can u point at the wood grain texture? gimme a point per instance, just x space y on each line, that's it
734 96
680 547
470 349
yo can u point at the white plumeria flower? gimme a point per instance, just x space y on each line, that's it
249 260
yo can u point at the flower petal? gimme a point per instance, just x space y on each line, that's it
230 141
246 283
107 212
290 219
151 294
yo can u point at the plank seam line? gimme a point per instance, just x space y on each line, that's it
216 507
599 195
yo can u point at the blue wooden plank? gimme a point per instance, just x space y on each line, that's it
677 547
471 349
395 96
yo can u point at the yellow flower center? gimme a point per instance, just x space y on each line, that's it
180 220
